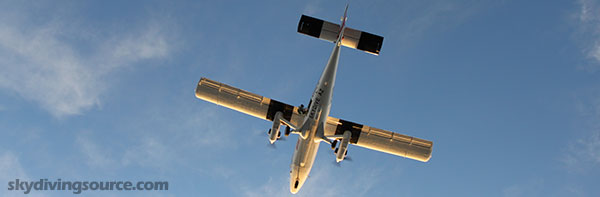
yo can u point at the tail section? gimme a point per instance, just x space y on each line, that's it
340 35
331 32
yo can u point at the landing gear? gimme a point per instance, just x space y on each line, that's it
333 144
301 109
336 150
278 134
287 131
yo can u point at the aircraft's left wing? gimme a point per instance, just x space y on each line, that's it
246 102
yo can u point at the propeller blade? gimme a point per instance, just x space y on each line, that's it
336 164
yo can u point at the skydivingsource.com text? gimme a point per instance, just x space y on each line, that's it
78 186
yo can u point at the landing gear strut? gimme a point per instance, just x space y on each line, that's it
287 131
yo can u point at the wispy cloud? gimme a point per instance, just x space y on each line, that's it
583 154
42 63
312 8
94 155
11 169
152 153
588 17
530 188
162 137
416 19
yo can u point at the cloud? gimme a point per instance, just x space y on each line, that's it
583 154
531 188
95 156
62 66
167 135
312 7
588 17
417 19
163 136
150 152
11 169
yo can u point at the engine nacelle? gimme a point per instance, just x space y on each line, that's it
274 131
340 152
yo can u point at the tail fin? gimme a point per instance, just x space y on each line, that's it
340 35
331 32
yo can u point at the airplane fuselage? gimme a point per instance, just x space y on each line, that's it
318 111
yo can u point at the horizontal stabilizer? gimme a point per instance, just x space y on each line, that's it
328 31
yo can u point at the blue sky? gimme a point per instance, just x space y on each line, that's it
509 92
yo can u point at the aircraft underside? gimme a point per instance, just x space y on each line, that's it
313 124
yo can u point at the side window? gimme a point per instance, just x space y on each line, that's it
309 103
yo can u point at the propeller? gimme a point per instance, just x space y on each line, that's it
278 137
348 158
340 163
336 164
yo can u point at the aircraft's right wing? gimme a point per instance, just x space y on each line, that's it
380 140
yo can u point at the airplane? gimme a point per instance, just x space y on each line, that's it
313 123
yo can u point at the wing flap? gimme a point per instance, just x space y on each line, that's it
381 140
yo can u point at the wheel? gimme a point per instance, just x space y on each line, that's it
287 131
333 144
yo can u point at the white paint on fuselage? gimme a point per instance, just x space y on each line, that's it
307 146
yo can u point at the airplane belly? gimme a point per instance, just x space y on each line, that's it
302 162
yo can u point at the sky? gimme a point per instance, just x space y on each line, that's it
508 91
